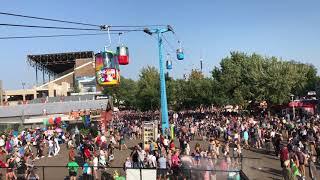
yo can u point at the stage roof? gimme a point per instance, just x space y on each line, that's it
59 62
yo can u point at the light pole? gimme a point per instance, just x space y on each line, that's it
293 109
164 104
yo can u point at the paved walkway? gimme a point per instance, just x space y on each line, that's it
256 164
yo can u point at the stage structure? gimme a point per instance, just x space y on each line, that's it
56 65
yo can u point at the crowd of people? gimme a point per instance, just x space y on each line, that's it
196 144
19 150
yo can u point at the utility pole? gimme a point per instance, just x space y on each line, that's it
201 64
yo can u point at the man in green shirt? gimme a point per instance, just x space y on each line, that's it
73 170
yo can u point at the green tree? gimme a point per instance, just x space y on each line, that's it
124 94
148 94
246 78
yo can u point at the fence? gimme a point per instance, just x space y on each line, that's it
61 172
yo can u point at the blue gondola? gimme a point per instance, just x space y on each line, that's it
169 64
180 54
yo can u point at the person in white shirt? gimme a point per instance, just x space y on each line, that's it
142 155
57 146
95 165
188 149
152 161
128 163
51 148
103 139
166 143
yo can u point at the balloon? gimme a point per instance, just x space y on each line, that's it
51 121
58 120
58 130
45 122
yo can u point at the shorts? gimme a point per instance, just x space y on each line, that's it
162 172
71 173
176 171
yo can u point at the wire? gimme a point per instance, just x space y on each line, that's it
48 27
152 25
66 28
72 22
169 44
51 36
48 19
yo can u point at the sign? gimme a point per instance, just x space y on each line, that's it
108 76
150 132
98 97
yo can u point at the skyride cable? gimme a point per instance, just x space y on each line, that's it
64 28
48 19
52 36
77 23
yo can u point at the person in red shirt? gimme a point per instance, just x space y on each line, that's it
72 154
87 153
284 155
172 145
175 164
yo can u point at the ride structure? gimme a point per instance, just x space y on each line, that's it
108 70
164 104
107 62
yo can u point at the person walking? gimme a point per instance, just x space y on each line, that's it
51 147
73 170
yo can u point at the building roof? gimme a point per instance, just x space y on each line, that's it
58 62
51 108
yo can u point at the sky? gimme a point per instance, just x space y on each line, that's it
211 29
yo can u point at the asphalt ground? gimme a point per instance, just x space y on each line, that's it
256 163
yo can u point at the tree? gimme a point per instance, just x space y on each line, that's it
148 94
194 92
250 78
124 94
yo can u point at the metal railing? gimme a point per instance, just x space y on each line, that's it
62 172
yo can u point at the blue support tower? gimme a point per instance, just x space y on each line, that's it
164 104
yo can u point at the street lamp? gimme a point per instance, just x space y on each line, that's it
293 109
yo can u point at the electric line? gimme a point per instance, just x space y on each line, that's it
51 36
48 19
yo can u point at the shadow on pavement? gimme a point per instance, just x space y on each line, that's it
271 171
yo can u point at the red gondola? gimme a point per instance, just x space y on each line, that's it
123 55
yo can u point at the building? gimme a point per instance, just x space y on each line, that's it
72 72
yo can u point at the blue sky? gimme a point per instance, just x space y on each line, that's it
288 29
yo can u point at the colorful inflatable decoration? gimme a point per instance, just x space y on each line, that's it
45 122
51 121
57 120
107 69
58 130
